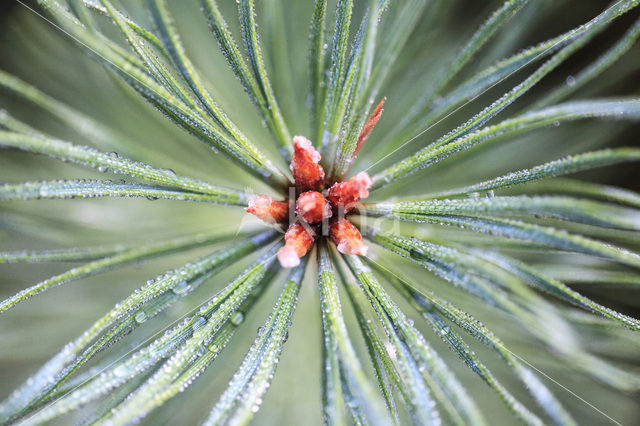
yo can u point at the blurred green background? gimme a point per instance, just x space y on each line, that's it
38 53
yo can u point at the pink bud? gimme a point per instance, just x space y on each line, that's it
346 194
313 207
369 125
297 241
347 237
307 173
268 210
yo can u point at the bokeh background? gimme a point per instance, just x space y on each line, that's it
35 51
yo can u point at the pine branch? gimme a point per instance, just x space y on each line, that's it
446 147
89 188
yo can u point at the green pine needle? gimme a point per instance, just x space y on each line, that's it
497 232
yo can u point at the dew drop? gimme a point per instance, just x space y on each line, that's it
120 371
237 318
141 317
199 322
181 288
